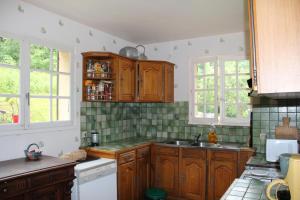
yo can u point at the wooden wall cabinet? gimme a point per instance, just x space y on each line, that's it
275 46
222 171
127 80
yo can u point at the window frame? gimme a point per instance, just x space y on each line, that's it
24 124
219 118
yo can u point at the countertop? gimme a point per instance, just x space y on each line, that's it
242 189
126 143
259 160
22 166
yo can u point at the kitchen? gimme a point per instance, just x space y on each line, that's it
64 116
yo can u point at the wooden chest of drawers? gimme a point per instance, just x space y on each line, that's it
47 178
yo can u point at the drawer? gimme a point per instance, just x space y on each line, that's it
50 177
15 186
193 153
223 155
170 151
126 157
143 152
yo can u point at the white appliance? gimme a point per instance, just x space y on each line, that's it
95 179
276 147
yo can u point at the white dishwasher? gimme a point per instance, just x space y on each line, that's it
95 179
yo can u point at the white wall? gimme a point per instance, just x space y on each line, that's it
28 20
180 52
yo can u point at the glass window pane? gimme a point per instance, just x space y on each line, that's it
243 66
9 51
199 110
55 59
54 85
244 110
9 110
230 96
230 67
64 61
199 97
39 110
210 97
243 81
210 111
199 69
63 109
210 82
199 82
230 81
64 85
40 83
40 57
231 110
9 80
243 95
209 68
54 109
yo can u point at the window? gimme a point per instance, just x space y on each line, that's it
219 91
35 85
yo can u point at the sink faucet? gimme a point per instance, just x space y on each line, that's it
199 137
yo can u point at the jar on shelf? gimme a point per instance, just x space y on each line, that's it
90 68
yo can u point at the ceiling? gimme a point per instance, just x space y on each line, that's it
151 21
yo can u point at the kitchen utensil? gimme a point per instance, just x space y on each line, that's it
33 154
142 55
291 180
95 138
285 131
276 147
130 52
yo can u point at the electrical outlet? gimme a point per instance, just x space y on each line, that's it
83 134
263 137
41 144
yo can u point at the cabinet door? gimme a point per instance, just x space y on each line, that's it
127 181
193 178
169 83
277 45
222 173
143 175
126 82
150 82
166 174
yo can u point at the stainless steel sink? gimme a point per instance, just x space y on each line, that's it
178 142
206 144
202 144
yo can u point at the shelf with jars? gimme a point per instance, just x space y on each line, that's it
98 78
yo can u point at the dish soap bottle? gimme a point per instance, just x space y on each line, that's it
212 135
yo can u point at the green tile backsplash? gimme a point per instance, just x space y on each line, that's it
115 121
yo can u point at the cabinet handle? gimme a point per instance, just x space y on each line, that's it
4 190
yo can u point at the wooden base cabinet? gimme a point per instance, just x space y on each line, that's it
223 169
127 181
133 173
192 174
143 171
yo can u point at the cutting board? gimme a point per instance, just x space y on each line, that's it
285 131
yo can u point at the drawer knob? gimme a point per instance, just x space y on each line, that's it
4 190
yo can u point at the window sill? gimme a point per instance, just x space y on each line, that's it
13 131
